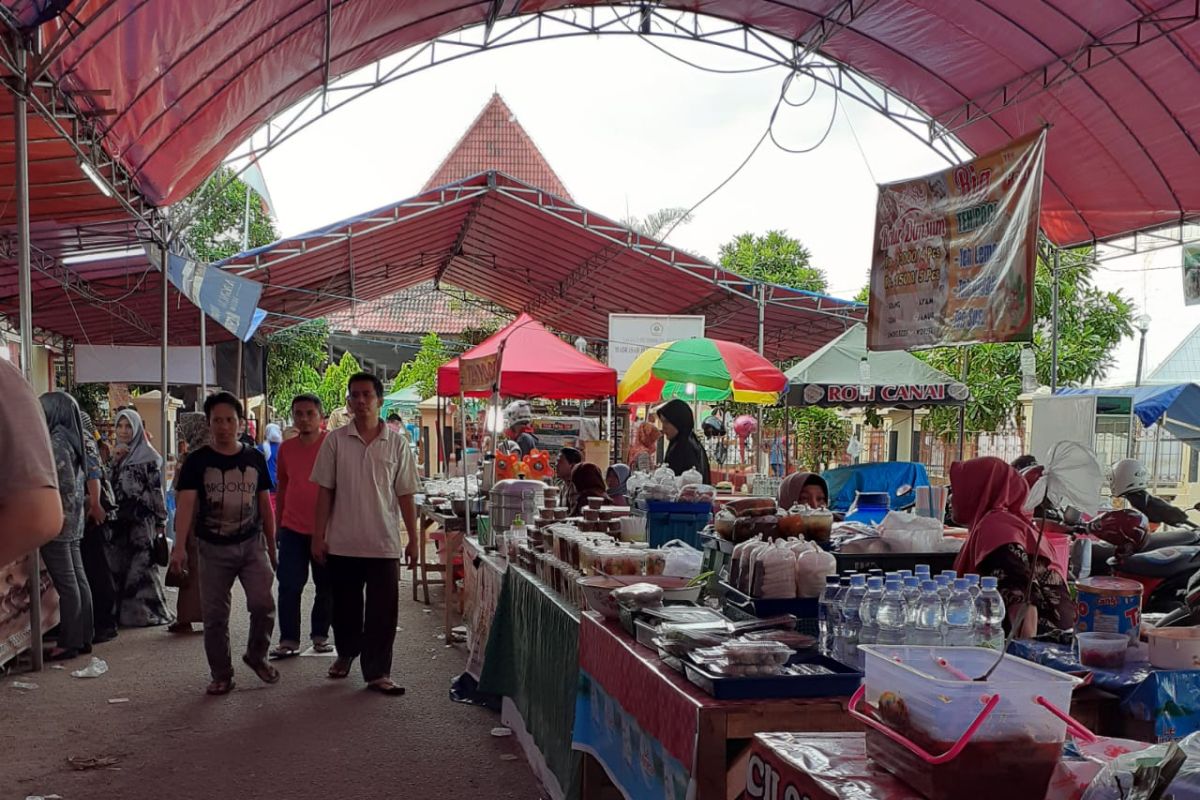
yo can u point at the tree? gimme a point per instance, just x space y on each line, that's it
218 229
657 223
1091 323
775 258
333 385
421 372
818 435
294 357
864 294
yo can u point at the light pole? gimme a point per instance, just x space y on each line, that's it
1142 323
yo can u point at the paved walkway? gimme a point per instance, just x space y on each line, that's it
305 737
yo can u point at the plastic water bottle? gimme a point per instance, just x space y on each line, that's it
944 583
868 632
960 616
825 613
922 572
972 584
989 616
905 574
949 573
851 620
887 576
891 618
928 628
912 596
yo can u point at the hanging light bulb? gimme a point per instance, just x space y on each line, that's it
690 389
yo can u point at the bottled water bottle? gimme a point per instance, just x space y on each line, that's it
912 595
825 614
922 572
960 616
972 584
891 618
868 626
851 621
905 574
928 628
989 616
951 574
888 576
944 584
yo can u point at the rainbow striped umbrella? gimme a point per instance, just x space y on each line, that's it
713 369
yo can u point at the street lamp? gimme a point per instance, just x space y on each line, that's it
1142 323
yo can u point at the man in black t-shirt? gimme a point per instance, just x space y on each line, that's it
224 498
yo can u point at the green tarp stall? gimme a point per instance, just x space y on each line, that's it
402 401
834 377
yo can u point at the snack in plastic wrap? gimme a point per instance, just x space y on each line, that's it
639 595
656 562
1114 780
774 574
697 493
788 638
812 567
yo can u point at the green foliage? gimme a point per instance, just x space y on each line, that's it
294 357
656 223
774 258
818 435
333 385
1092 322
216 232
422 370
864 294
90 396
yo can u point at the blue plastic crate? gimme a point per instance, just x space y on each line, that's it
662 527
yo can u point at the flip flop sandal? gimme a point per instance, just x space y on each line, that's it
220 687
386 687
340 669
265 672
282 652
322 647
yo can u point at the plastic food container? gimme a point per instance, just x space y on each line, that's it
1109 605
1102 650
1175 648
597 592
939 731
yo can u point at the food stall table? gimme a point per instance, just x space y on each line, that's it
1156 705
483 578
653 732
532 661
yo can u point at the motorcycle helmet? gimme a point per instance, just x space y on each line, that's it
1126 529
517 413
1129 475
712 427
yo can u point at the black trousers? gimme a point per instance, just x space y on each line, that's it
100 578
365 630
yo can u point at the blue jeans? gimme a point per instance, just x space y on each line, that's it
295 556
64 562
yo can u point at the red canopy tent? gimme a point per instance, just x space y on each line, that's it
536 363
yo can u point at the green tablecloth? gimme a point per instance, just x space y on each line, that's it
533 659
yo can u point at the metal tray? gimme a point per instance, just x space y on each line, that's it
842 683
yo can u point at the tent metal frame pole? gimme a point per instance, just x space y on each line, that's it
1054 320
25 290
203 359
762 341
164 401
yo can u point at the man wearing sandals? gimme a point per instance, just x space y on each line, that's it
368 481
224 495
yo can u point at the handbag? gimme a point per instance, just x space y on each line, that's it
160 551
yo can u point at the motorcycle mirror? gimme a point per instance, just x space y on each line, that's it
1072 515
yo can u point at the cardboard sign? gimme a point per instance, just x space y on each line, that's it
480 374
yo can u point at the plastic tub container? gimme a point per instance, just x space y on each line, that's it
1109 605
939 731
1103 650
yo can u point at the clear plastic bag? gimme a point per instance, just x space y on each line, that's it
812 567
1186 785
774 575
682 560
639 595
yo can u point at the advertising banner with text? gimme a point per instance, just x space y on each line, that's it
954 252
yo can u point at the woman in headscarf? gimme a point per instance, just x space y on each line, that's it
588 482
988 497
193 434
804 488
270 448
645 446
141 514
617 480
685 450
63 556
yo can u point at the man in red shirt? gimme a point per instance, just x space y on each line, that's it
295 508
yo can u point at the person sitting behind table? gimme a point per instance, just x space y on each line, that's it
588 483
617 480
804 488
988 498
568 459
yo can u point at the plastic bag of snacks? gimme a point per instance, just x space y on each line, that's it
682 560
774 575
639 595
812 567
749 556
738 559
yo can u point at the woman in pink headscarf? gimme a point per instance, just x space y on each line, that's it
988 498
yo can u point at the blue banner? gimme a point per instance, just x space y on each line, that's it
229 299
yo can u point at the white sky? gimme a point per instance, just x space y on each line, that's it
629 130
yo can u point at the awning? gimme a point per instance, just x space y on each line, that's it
833 376
1176 406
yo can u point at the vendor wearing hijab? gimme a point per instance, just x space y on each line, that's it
588 483
141 513
804 488
685 450
988 497
270 448
617 479
644 450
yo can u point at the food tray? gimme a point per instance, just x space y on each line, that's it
842 683
739 606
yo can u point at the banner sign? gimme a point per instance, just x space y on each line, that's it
479 374
955 252
1191 274
229 299
926 394
630 334
15 634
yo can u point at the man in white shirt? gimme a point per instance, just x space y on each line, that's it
368 481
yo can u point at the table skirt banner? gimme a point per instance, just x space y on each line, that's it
483 577
635 761
1170 699
638 680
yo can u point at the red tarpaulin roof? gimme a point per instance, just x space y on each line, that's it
536 363
176 87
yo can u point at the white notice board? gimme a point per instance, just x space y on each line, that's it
630 334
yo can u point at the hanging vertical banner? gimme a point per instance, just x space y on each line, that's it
1191 274
229 299
955 252
481 374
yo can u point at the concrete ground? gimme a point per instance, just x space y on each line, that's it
304 737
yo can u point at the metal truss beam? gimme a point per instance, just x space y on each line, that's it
1148 28
456 249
